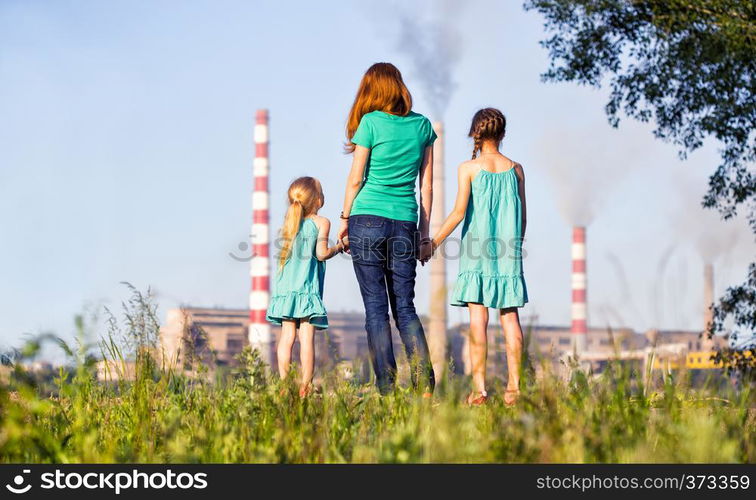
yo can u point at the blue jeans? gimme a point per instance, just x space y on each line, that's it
384 258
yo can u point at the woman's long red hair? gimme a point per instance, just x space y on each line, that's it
381 89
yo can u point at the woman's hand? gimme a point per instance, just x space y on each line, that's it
343 234
425 252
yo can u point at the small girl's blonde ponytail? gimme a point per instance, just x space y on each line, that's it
305 198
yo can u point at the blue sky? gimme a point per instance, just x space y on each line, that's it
126 155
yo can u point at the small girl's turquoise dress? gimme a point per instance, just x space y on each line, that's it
490 267
298 292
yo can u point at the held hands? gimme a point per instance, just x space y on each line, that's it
425 252
343 235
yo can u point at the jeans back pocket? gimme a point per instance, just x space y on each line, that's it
367 239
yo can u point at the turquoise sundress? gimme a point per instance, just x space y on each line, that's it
490 267
298 292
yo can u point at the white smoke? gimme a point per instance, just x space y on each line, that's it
427 33
584 166
711 236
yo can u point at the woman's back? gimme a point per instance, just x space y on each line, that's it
397 144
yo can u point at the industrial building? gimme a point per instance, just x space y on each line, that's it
215 336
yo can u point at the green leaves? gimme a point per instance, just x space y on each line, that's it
687 66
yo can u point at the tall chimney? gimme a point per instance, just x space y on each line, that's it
259 329
438 291
579 287
708 298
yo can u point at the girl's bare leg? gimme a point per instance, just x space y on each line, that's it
306 353
285 344
478 345
510 324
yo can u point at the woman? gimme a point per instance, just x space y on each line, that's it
392 148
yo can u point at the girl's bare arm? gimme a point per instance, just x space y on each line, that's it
322 250
460 206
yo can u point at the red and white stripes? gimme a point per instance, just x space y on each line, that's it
579 286
259 296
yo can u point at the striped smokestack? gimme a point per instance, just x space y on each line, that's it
259 295
437 310
579 288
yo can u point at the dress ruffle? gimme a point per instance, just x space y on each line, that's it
298 305
492 291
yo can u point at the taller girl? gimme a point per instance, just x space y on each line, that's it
491 200
392 148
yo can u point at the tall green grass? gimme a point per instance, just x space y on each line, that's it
251 416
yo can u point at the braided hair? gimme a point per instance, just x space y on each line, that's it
487 124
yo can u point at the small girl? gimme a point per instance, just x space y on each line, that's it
298 299
491 199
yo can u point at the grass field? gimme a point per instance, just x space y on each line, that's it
250 416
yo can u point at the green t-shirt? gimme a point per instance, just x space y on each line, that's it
397 145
